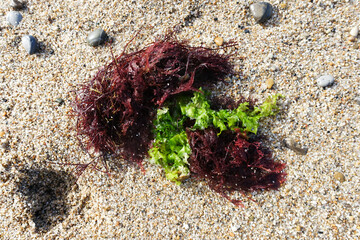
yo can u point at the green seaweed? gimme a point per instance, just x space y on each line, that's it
171 149
240 118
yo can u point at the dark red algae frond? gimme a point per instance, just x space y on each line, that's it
115 109
230 163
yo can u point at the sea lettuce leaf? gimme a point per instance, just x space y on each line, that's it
242 117
170 149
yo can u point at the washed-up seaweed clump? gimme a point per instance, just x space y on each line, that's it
116 108
151 102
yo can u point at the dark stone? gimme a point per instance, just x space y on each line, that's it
30 44
261 11
60 101
97 37
17 5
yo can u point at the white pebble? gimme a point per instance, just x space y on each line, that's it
14 18
234 228
325 80
354 31
186 226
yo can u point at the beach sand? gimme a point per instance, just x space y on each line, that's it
301 42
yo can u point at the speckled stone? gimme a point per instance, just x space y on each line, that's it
269 83
339 176
14 18
97 37
219 41
30 44
261 11
325 81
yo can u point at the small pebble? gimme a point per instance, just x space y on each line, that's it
17 5
269 83
339 176
261 11
14 18
357 100
292 144
186 226
354 31
352 39
97 37
219 41
325 80
234 228
60 101
30 44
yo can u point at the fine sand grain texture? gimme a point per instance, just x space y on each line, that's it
302 41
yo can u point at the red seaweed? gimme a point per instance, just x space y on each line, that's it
231 163
115 109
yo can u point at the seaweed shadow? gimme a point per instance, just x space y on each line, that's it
45 192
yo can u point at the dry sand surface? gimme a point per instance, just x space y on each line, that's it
302 41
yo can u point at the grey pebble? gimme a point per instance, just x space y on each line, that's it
357 100
14 18
292 144
261 11
5 145
325 80
97 37
30 44
17 5
60 101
